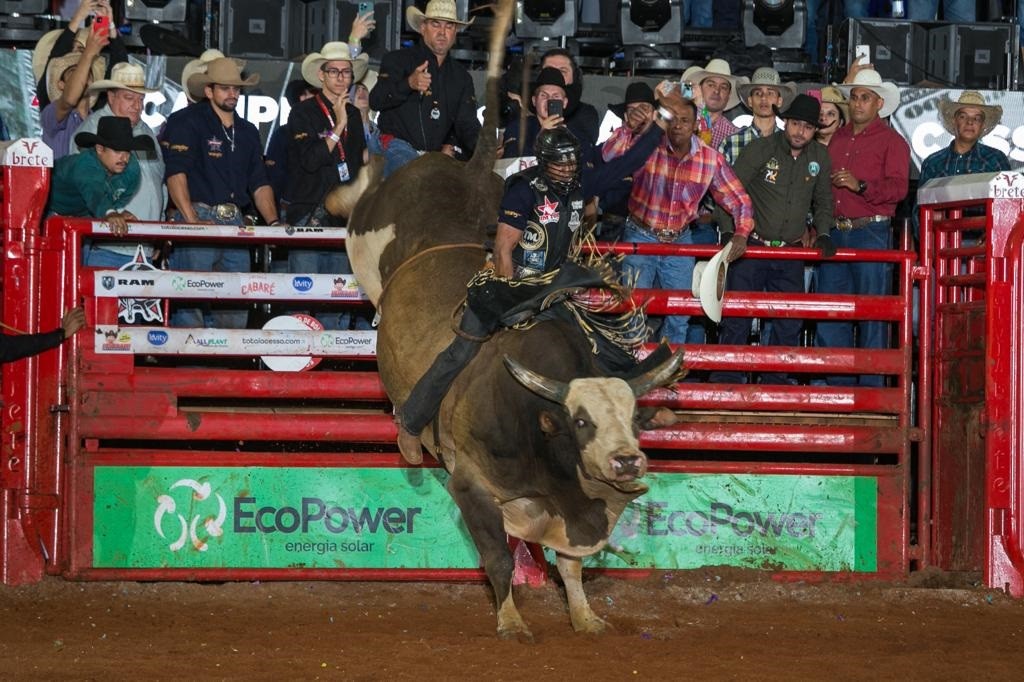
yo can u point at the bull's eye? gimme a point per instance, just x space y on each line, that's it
581 423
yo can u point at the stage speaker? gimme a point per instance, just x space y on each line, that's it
24 7
551 19
155 10
972 56
897 47
779 24
327 20
651 22
263 29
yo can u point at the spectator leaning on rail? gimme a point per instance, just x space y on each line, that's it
15 347
870 174
66 85
787 175
214 172
762 95
426 101
100 181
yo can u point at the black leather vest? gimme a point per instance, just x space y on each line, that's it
552 224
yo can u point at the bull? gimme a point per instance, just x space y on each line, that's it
539 443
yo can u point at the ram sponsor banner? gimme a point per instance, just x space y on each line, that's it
260 232
175 341
226 285
262 517
795 523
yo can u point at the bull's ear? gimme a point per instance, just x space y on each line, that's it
548 424
665 373
551 389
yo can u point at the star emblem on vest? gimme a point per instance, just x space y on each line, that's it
547 212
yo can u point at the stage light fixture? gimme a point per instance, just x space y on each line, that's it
546 19
651 22
780 24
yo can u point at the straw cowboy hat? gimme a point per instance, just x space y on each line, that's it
58 65
333 52
767 77
369 80
969 98
720 68
832 95
443 10
199 65
41 52
123 76
869 79
115 132
223 71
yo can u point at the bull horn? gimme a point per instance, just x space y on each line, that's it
553 390
661 375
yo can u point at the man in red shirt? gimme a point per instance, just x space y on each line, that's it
870 174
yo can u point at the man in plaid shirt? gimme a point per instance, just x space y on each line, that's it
665 198
761 95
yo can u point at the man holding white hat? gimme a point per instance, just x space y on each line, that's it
426 101
870 176
762 95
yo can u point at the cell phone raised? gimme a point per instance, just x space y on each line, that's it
101 24
554 107
365 8
862 54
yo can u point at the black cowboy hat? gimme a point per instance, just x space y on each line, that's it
635 93
803 108
115 132
547 76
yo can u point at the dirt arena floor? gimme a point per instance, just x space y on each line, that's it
706 624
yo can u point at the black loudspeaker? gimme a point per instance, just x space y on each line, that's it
545 18
24 6
651 22
897 47
265 29
155 10
327 20
970 55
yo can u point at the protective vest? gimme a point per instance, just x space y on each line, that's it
553 223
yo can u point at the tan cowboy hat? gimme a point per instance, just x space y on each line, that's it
436 9
41 52
869 79
709 283
336 51
199 66
720 68
767 76
969 98
369 80
832 95
123 76
223 71
58 65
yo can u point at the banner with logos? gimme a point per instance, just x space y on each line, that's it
290 342
225 285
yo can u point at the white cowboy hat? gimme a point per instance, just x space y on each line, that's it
969 98
721 69
709 283
223 71
869 79
199 66
370 79
436 9
58 65
123 76
333 52
41 52
767 76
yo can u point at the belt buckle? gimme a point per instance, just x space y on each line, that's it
225 211
844 224
665 236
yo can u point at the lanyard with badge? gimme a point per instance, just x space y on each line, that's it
343 174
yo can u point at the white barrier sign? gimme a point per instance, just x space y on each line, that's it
261 232
174 341
226 285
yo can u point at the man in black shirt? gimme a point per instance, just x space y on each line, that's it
426 100
22 346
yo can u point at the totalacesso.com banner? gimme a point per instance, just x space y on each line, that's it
262 517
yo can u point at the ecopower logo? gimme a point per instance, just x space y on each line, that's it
188 530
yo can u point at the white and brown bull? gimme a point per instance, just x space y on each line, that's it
538 444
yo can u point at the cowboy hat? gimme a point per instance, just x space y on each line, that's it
369 80
803 108
549 75
830 94
721 69
766 77
115 132
635 94
336 51
199 65
58 65
223 71
443 10
869 79
709 283
123 76
41 52
969 98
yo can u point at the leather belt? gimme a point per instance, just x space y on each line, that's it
773 242
844 223
665 236
225 211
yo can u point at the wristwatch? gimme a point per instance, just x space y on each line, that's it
862 187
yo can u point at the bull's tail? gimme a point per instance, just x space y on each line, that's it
487 144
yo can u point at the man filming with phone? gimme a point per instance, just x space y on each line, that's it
548 103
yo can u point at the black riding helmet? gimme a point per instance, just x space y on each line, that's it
558 145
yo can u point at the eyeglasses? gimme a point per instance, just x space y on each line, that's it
338 73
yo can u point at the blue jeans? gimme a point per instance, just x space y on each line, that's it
669 272
700 233
210 259
398 153
697 13
307 262
96 256
959 11
869 279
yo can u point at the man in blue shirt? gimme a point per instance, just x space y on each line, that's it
214 173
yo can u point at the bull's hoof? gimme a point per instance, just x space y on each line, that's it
591 625
518 632
410 447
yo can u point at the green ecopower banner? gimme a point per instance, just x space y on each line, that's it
277 517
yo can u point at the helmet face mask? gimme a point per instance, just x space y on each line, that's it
558 156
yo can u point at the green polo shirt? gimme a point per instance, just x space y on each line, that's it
784 189
82 187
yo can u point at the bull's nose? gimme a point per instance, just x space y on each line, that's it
628 466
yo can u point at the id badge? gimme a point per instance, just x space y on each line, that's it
343 174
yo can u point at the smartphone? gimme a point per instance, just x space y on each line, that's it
100 24
862 54
554 107
365 8
686 89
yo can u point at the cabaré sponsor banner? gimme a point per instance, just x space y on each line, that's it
252 517
225 285
797 523
174 341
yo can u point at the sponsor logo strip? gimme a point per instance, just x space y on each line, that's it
260 232
225 285
174 341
